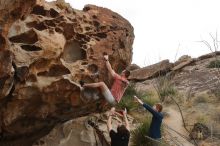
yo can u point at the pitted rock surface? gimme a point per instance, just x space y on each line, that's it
46 49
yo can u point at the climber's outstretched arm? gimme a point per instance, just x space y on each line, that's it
109 122
126 120
109 67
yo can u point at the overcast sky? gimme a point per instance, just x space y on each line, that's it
165 29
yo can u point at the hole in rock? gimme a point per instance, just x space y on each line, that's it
97 39
113 27
122 45
94 16
113 16
55 70
84 63
22 73
51 31
41 142
101 35
93 68
81 42
87 38
16 13
68 30
36 25
74 20
53 13
32 78
59 19
73 52
84 47
78 30
87 28
43 73
31 48
85 9
59 30
2 42
50 23
39 10
2 82
23 17
96 23
90 22
80 37
103 27
29 37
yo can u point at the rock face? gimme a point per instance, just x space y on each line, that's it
44 55
133 67
190 76
182 62
78 132
197 77
151 71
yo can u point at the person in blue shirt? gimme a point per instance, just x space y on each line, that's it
154 131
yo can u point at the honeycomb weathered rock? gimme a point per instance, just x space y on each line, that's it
45 53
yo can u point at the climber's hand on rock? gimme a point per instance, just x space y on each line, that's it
124 112
112 109
111 112
106 57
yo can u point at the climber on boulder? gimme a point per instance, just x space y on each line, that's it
118 88
121 137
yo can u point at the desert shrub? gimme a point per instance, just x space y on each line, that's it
217 117
202 119
216 92
201 99
139 135
128 100
164 88
214 64
149 99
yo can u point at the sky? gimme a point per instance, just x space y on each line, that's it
165 29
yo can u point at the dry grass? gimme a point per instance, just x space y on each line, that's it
165 88
201 99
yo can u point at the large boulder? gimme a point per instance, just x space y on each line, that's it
183 61
151 71
133 67
78 132
50 48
